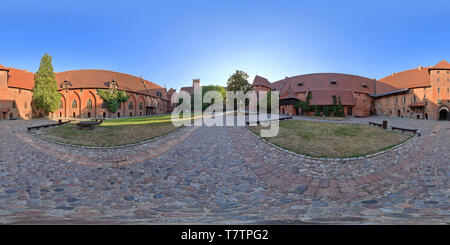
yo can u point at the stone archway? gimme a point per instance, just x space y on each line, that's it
443 113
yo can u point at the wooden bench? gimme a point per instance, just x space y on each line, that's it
89 124
60 122
405 129
279 119
376 124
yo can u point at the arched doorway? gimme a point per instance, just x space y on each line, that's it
443 113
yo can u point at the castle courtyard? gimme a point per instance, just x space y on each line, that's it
222 175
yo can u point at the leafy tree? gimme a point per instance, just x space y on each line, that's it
207 88
113 98
317 110
267 100
304 105
340 109
238 82
45 93
217 88
334 106
326 110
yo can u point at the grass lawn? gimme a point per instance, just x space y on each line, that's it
327 118
113 132
323 139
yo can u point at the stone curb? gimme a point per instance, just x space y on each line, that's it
105 147
332 159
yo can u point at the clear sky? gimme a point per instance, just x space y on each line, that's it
172 42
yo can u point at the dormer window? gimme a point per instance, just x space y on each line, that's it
333 81
300 84
67 85
364 85
113 85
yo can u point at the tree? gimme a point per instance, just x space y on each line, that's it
267 100
217 88
238 82
113 98
304 105
340 109
334 106
45 93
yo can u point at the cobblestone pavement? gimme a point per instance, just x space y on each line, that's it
221 175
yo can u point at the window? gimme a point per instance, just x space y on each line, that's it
439 90
141 106
14 104
89 104
396 101
364 85
300 84
438 72
333 81
104 105
387 101
438 79
414 98
119 106
130 105
60 104
81 90
74 104
404 100
159 94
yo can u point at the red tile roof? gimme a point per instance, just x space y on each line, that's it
441 65
325 97
189 90
288 94
20 79
101 79
417 104
418 77
322 81
261 81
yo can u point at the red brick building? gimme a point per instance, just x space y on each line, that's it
79 98
353 91
421 93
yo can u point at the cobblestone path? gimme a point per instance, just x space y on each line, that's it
221 175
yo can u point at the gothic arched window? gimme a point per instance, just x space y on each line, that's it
74 104
89 104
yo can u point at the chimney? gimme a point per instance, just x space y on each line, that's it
196 81
420 68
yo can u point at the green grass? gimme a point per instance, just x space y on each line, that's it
331 140
114 132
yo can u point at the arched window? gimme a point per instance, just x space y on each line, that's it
130 105
104 105
141 106
89 104
74 104
60 104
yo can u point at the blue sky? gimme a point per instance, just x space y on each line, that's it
172 42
